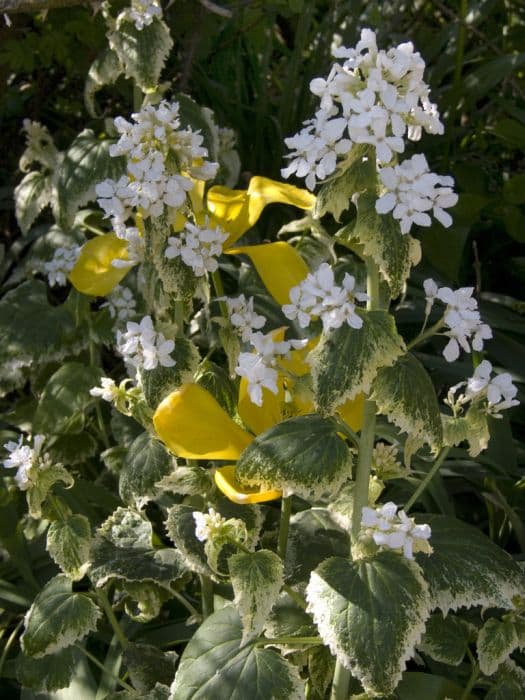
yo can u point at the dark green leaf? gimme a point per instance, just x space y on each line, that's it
146 463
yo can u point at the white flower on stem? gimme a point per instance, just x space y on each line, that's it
142 346
243 317
59 267
23 458
395 530
198 247
135 249
431 290
319 296
120 303
207 524
107 390
142 13
499 391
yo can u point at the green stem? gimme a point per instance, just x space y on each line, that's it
138 98
207 595
94 229
219 293
341 682
284 526
425 335
9 644
289 640
296 597
117 629
100 665
428 478
189 607
347 430
473 678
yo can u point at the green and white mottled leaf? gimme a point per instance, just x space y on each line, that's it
42 481
32 332
380 235
159 382
445 639
180 526
341 507
314 536
104 70
335 196
346 361
257 578
33 193
142 52
143 600
251 515
187 481
216 380
472 427
215 665
405 394
146 463
466 569
288 619
371 613
73 449
510 677
86 163
497 639
303 456
48 673
199 119
135 565
68 543
65 399
58 618
148 665
321 667
127 528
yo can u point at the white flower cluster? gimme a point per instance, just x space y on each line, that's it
22 457
394 530
207 524
498 391
260 367
319 296
412 191
142 346
142 12
461 316
198 247
161 160
120 303
58 268
374 96
107 390
243 317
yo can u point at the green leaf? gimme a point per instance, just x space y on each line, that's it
215 665
65 399
161 381
187 481
216 380
199 119
380 235
49 673
497 639
472 427
31 332
43 479
32 194
146 463
180 526
257 578
445 639
142 52
466 569
126 527
288 619
104 70
509 676
511 132
303 456
57 618
371 613
347 360
514 189
68 543
406 395
86 163
147 665
443 248
135 565
480 81
314 536
418 686
335 196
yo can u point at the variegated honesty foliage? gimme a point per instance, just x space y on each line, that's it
222 480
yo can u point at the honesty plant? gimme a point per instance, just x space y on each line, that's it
257 436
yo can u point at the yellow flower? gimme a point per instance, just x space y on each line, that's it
93 272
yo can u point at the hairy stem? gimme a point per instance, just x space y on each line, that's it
426 334
428 478
284 526
100 665
207 595
117 629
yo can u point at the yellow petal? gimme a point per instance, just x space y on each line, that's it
93 272
264 191
296 364
229 209
227 483
197 195
193 425
352 412
279 266
260 418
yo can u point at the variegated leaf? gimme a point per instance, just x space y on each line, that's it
32 194
497 639
68 543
